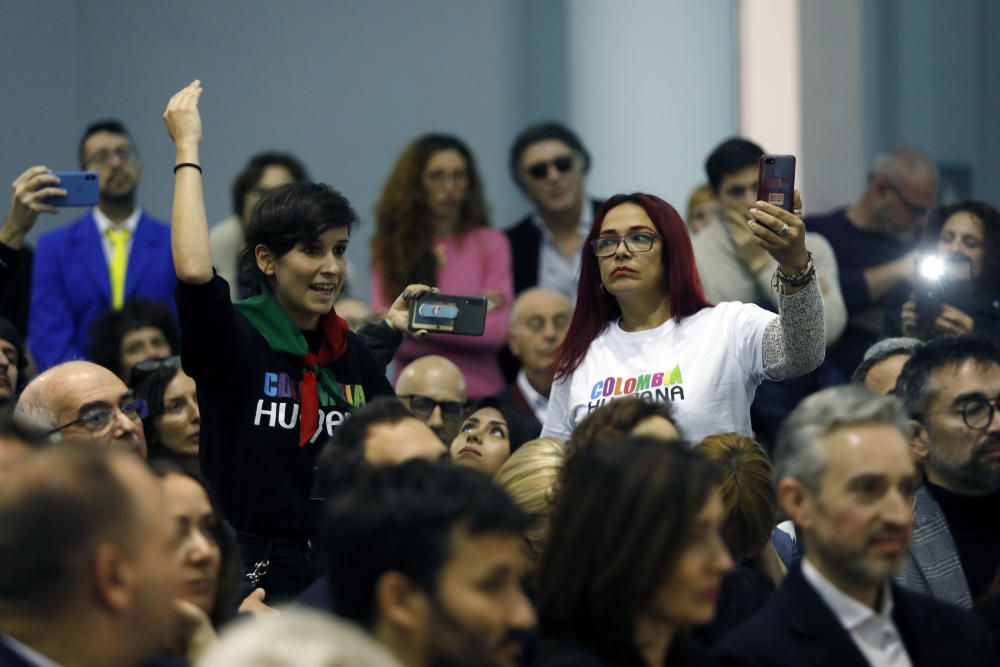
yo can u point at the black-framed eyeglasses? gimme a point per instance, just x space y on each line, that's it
916 210
539 170
144 369
978 412
97 419
423 406
607 245
104 156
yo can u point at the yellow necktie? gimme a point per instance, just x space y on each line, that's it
119 263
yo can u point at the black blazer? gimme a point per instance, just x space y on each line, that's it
797 628
526 245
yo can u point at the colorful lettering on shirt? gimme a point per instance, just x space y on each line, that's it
285 415
653 386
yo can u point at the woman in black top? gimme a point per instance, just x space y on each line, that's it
634 556
276 373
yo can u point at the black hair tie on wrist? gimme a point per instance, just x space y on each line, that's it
187 164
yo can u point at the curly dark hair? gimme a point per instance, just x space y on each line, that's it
109 330
402 246
990 219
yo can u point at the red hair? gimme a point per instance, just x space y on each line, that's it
595 308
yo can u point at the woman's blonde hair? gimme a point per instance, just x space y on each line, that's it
747 491
530 477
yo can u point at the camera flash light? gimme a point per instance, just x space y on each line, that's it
932 268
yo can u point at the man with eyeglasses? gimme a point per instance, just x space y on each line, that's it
875 242
113 253
548 162
538 323
84 402
951 390
433 388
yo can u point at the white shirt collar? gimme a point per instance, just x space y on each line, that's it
586 220
848 611
104 222
534 398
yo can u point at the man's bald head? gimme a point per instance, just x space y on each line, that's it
74 390
438 379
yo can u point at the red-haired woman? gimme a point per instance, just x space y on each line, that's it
642 325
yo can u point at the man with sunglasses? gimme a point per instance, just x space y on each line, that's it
84 402
951 390
113 253
433 388
548 162
875 241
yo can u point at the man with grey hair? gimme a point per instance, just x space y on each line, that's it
875 243
882 363
847 481
951 389
85 402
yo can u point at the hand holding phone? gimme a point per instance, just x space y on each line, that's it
447 313
82 189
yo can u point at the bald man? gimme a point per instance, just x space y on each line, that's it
538 323
433 388
875 242
85 402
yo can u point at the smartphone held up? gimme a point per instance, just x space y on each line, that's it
776 180
446 313
82 189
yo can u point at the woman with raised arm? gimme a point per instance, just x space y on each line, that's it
642 325
276 373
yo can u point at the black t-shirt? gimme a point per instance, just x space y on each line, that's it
972 521
249 400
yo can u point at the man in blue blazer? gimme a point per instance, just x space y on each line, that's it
848 482
115 252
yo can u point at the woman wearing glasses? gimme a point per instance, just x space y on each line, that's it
276 373
643 327
431 227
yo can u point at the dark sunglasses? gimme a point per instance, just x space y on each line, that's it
144 369
540 170
423 406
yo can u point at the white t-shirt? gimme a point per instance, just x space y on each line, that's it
707 367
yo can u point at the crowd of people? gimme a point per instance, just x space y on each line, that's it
751 437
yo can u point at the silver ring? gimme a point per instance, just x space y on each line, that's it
783 231
798 212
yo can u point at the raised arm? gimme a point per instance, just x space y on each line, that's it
189 226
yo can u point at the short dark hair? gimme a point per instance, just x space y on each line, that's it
879 352
343 455
624 515
730 156
109 330
55 507
230 568
112 125
403 518
542 132
9 333
914 383
254 170
617 419
294 213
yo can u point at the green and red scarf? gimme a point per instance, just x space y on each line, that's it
274 323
